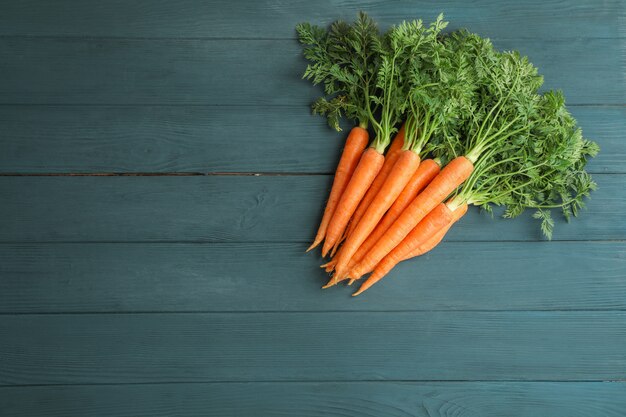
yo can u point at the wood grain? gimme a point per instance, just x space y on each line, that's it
331 346
113 278
353 399
188 296
237 209
272 18
246 72
101 139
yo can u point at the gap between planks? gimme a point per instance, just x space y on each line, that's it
168 174
151 313
269 312
260 38
191 174
270 105
331 381
266 242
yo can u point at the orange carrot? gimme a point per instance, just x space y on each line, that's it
355 144
402 171
336 245
329 264
450 177
431 243
427 170
440 217
390 159
370 163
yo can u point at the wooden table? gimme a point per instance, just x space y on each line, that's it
162 175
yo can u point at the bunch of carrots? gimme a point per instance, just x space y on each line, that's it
455 123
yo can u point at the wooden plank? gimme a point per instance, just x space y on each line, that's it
245 72
236 209
606 126
61 139
222 18
156 348
70 139
79 278
358 399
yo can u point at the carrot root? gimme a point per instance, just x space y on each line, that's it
450 177
329 284
405 166
437 221
432 243
427 170
334 249
355 144
395 149
369 165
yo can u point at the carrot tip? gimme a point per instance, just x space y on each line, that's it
328 284
363 288
314 244
327 264
337 278
351 281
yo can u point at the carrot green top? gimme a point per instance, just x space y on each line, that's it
527 149
345 58
458 96
540 167
441 89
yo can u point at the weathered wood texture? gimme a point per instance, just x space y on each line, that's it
329 346
353 399
246 72
203 279
237 209
57 278
62 139
270 18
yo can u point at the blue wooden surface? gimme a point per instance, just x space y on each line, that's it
188 293
198 139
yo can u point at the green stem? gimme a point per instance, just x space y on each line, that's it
548 206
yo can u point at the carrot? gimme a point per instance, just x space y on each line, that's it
395 149
402 171
369 165
336 245
450 177
427 170
329 264
431 243
428 245
437 220
355 144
